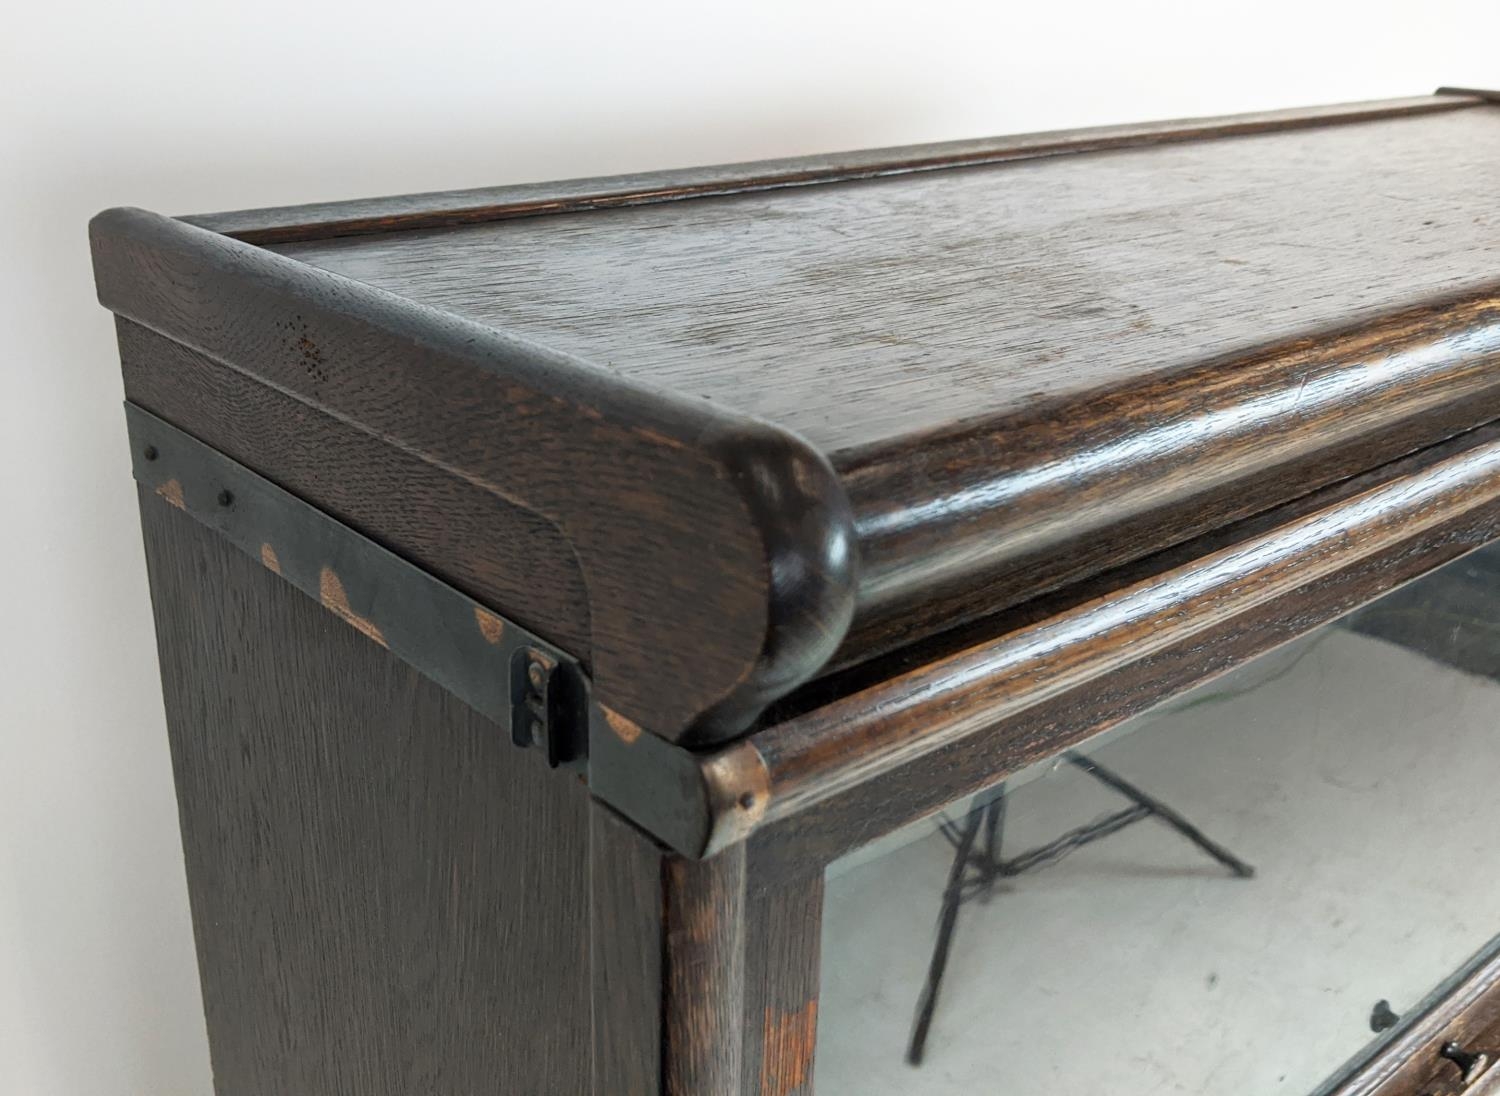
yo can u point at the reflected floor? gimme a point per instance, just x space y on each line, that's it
1358 778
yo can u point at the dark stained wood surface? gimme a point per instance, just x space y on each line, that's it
714 548
909 714
786 431
783 944
1010 375
388 897
881 753
705 974
669 967
492 549
627 943
861 313
1027 371
455 207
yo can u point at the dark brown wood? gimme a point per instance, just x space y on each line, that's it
458 207
627 944
715 549
705 974
1027 372
783 929
853 498
387 897
860 766
492 549
1011 375
669 967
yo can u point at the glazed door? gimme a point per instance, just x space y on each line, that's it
1254 888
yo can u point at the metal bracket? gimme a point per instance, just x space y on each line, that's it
513 676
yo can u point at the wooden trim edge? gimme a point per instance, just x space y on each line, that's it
511 417
446 209
818 755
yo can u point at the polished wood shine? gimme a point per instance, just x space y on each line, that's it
936 383
851 741
716 549
1025 371
857 483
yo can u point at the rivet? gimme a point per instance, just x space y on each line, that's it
149 452
225 497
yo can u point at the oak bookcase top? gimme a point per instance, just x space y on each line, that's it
812 411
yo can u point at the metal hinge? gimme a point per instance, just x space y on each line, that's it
502 670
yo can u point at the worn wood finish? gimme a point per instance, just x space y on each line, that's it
385 892
705 974
459 207
783 930
715 548
891 747
1012 374
492 549
854 498
669 967
1027 372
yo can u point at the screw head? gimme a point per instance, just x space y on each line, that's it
150 452
226 497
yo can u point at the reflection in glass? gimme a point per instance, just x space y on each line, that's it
1094 923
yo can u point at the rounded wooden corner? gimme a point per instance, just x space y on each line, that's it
718 551
805 522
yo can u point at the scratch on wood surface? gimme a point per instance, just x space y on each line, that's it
490 626
269 557
787 1062
331 594
172 492
624 729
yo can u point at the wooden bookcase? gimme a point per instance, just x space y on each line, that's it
552 581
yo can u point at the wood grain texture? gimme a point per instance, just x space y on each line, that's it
1029 371
457 207
714 548
388 897
705 975
861 313
897 747
783 929
486 546
628 945
669 968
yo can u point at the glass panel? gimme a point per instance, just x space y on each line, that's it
1112 936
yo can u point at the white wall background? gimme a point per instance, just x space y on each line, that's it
189 107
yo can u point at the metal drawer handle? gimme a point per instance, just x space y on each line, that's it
1471 1065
